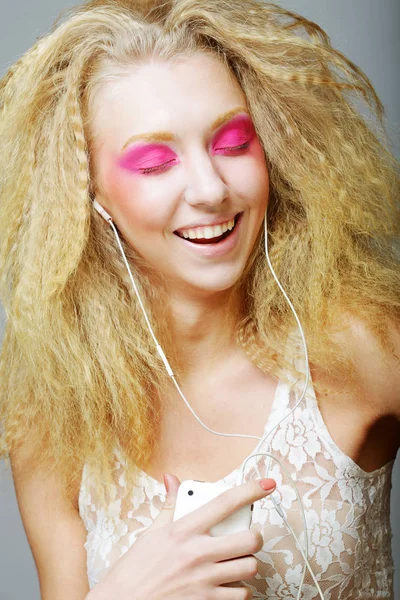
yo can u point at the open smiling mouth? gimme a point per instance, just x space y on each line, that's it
214 240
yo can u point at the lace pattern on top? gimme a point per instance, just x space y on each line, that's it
346 509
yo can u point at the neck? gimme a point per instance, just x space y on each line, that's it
202 332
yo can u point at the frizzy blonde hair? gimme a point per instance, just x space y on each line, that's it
78 363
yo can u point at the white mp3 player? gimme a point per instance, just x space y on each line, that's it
193 493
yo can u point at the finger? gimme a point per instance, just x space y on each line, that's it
234 545
205 517
233 592
166 515
230 571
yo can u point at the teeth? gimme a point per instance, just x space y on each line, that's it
208 232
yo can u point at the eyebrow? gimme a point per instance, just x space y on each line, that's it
167 136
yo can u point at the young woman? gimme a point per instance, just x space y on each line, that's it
205 131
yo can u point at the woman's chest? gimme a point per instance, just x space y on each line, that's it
189 451
186 449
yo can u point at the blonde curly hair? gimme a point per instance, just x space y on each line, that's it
78 363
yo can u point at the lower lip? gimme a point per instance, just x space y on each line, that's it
218 249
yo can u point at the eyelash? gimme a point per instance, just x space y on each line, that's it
160 167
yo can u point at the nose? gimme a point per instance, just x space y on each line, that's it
204 185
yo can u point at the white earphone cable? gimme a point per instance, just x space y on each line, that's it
240 478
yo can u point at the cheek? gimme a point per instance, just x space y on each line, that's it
132 204
252 180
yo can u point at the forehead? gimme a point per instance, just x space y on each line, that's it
180 95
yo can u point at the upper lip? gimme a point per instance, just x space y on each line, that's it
208 223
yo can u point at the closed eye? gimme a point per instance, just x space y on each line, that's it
232 148
156 168
164 165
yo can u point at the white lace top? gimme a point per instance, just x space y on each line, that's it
346 509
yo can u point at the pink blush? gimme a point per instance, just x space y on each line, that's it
120 188
145 156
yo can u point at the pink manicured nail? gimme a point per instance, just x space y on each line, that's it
267 484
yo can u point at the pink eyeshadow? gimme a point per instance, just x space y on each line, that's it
236 132
145 156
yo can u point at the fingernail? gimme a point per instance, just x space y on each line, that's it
267 484
166 482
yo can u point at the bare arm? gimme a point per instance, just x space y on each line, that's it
54 529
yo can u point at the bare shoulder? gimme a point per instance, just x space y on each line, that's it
378 371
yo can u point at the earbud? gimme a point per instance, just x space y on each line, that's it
102 211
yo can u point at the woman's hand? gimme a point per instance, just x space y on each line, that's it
181 561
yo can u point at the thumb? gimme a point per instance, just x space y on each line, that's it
167 512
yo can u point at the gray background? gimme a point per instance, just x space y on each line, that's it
367 32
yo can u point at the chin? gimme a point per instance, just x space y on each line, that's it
217 283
